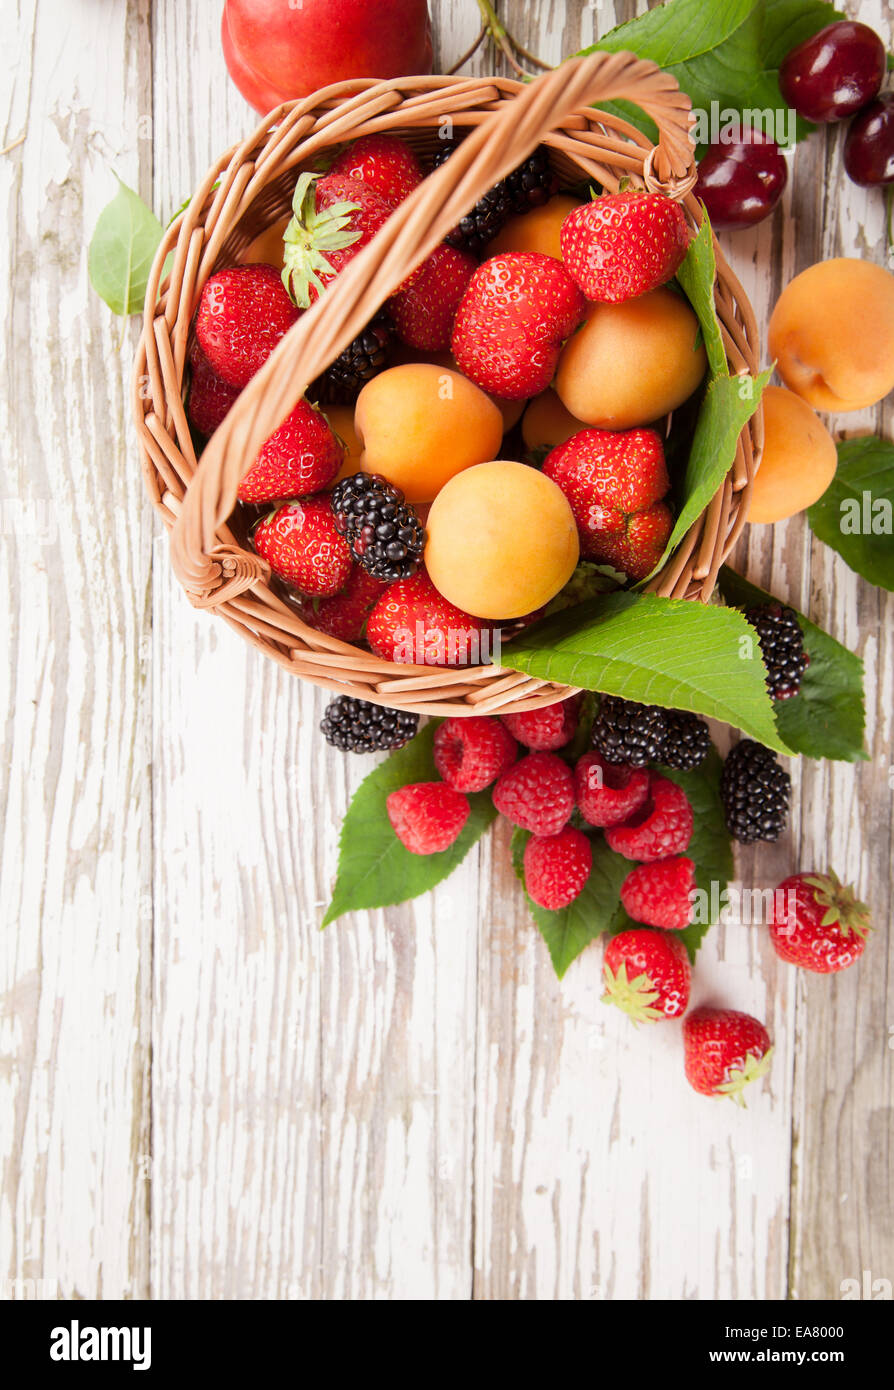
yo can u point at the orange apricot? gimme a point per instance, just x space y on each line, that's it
537 230
548 423
799 458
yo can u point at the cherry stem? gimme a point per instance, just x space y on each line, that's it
507 43
470 54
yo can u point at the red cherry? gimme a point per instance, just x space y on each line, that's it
741 181
869 147
830 76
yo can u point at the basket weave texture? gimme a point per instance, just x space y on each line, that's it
251 186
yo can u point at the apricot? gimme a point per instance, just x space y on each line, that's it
547 423
537 230
420 424
631 363
267 247
799 458
832 334
511 411
502 540
341 420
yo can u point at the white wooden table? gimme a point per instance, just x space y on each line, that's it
200 1094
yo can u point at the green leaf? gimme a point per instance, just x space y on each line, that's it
122 250
710 848
595 911
827 719
374 869
660 651
697 275
854 514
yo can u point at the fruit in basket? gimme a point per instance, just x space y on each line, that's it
333 218
427 817
782 648
293 49
501 540
368 354
755 793
357 726
300 543
798 462
385 163
725 1051
659 894
413 623
384 532
344 615
631 363
472 753
660 828
341 422
608 793
537 793
421 424
424 308
557 867
243 313
869 147
301 457
834 73
512 320
622 245
741 181
210 398
647 975
537 230
511 411
268 247
529 186
614 482
547 423
832 334
546 730
817 923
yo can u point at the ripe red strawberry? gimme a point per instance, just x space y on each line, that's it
537 793
816 922
243 312
512 321
659 894
622 245
661 827
384 163
471 754
609 793
557 867
413 622
427 817
300 543
545 730
647 975
424 308
345 614
333 218
301 457
614 481
725 1051
210 397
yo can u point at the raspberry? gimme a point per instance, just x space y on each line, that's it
659 894
427 816
537 794
608 794
545 730
470 754
660 828
557 867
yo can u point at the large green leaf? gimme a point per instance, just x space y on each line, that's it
374 869
854 514
827 718
122 250
660 651
597 909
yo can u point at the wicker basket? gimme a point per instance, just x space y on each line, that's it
251 187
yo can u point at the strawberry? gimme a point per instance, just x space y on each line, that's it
424 308
817 923
512 320
614 481
210 397
647 975
333 218
384 163
300 543
344 615
622 245
413 622
302 456
725 1051
243 312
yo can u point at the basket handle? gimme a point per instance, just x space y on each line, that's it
212 571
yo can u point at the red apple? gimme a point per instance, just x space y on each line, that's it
289 48
255 90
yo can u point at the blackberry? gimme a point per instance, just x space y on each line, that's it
356 726
368 355
385 534
532 184
782 647
487 218
626 732
755 792
687 741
